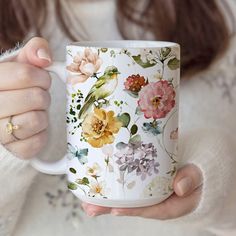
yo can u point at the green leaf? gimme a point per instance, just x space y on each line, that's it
72 112
104 50
85 181
72 186
135 139
124 119
138 111
165 52
72 170
174 64
147 64
121 145
112 53
134 129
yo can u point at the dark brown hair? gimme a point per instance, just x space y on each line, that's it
198 26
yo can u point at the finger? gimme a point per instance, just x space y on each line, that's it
93 210
24 100
18 76
171 208
187 180
29 124
36 52
28 148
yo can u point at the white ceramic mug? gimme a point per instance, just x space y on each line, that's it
122 121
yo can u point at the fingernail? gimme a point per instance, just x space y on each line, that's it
184 185
43 54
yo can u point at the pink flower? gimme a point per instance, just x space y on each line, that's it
84 66
157 99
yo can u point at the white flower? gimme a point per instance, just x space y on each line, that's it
143 54
94 170
97 188
158 185
147 56
157 76
108 150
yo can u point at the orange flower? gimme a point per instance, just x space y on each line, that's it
99 127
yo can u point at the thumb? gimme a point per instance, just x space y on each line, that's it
36 52
187 179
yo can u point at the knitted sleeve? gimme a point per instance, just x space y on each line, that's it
207 139
213 151
15 178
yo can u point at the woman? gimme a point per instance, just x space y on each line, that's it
203 202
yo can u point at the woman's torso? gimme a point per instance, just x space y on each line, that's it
50 208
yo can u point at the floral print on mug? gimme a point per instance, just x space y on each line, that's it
132 131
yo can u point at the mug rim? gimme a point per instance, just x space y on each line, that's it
131 44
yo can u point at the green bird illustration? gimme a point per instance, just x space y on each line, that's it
103 88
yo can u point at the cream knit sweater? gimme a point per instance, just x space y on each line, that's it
34 204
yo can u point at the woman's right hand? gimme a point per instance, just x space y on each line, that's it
24 97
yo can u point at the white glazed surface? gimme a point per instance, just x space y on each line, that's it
123 188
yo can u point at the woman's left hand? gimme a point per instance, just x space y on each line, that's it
187 191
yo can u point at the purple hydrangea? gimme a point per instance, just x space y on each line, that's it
137 157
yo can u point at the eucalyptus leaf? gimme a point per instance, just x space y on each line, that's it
174 63
134 129
124 119
143 64
138 111
132 94
121 145
72 186
135 139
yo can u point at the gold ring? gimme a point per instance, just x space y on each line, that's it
10 128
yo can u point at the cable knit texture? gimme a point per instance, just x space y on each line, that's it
207 128
16 177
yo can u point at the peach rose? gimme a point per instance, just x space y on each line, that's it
84 65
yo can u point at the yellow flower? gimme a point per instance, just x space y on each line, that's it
99 126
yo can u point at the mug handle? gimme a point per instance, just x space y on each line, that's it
56 167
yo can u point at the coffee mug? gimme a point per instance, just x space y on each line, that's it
122 121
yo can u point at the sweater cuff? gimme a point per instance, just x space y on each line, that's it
212 152
15 175
10 54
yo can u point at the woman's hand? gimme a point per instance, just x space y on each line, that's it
24 98
187 192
